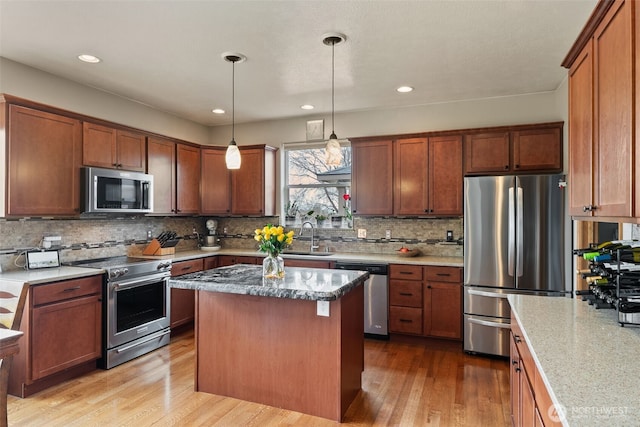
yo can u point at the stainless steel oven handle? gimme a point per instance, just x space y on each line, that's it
136 283
138 343
487 294
490 324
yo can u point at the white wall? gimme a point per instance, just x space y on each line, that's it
35 85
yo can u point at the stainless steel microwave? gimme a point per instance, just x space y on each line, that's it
116 191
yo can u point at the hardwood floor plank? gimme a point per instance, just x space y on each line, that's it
425 383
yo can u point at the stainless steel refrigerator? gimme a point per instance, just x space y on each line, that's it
513 243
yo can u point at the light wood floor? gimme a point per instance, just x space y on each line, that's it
404 384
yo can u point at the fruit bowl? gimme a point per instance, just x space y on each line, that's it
406 252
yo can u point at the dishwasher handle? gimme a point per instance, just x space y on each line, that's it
377 269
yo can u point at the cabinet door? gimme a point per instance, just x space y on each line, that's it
44 153
372 178
187 179
183 300
613 97
443 310
445 175
65 334
411 192
581 133
161 161
527 400
486 153
514 377
131 151
98 146
247 184
537 150
215 186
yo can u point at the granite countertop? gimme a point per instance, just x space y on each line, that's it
334 256
298 283
586 359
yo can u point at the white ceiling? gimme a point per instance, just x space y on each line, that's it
167 53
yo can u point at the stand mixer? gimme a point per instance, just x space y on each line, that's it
210 240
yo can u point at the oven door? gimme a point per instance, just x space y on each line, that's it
137 308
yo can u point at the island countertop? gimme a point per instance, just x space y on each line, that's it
298 283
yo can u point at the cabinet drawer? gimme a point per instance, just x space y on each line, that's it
405 320
184 267
405 293
405 272
60 291
443 274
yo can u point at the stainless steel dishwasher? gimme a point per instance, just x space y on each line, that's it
376 297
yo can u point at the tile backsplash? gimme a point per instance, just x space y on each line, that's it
96 238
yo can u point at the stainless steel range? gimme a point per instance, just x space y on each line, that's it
136 307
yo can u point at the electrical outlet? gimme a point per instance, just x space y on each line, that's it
449 236
387 234
362 233
52 238
322 309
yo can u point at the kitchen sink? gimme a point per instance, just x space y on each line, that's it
307 253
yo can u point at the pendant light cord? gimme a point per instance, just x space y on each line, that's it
233 100
333 72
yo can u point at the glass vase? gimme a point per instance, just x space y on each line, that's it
273 269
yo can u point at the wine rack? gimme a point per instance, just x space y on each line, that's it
615 285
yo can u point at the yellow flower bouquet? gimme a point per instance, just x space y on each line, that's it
273 239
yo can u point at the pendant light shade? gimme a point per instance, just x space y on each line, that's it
333 149
232 157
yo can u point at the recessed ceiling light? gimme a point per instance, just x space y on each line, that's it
307 107
404 89
89 58
218 111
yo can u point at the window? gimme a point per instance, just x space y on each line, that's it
314 191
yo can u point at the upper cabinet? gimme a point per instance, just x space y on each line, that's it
44 153
372 177
176 176
602 149
107 147
520 149
215 182
428 176
253 186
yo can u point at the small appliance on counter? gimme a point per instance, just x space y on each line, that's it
210 241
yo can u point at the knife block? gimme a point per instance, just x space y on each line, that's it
154 248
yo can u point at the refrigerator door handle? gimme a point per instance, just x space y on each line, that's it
511 236
487 294
490 324
520 233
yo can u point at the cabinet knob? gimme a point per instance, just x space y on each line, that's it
517 339
428 286
506 167
517 166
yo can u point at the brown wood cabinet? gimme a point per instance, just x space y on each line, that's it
428 176
62 326
106 147
225 260
183 300
602 178
425 300
372 177
307 263
253 187
210 262
176 171
44 154
443 302
520 149
215 182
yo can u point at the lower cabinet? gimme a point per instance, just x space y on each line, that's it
531 404
62 325
425 300
307 263
225 260
183 300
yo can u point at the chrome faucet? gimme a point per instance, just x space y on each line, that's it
313 247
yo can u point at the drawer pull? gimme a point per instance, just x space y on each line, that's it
406 272
406 321
406 294
185 268
517 339
443 274
75 288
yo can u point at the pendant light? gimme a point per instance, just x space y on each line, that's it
333 150
232 157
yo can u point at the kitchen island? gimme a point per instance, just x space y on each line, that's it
296 344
